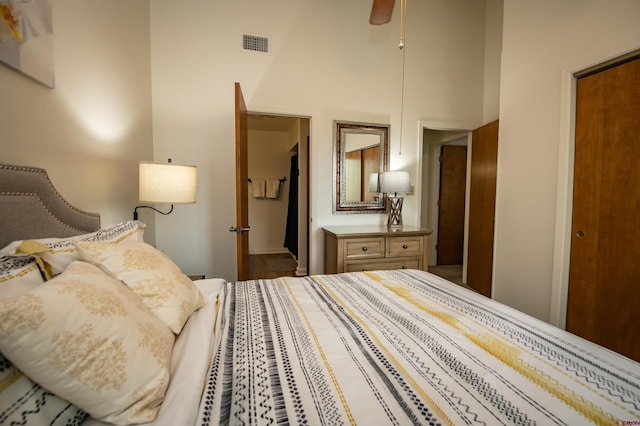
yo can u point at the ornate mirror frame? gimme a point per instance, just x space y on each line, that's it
347 139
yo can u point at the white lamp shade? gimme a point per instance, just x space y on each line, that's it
395 181
167 183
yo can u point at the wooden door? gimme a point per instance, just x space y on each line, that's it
482 207
604 271
242 186
453 178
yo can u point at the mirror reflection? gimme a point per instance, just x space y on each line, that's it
362 157
360 149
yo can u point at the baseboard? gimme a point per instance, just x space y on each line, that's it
276 250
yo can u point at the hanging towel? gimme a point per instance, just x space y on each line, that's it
257 188
273 188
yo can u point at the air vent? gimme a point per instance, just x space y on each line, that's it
255 43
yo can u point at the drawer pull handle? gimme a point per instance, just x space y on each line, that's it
364 270
404 246
364 248
404 267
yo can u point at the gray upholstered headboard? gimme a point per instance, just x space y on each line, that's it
30 207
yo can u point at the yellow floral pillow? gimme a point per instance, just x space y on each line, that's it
30 247
88 339
158 281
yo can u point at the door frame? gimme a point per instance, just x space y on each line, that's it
433 183
564 198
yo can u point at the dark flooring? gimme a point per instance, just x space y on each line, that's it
452 273
271 266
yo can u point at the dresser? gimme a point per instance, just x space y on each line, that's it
367 248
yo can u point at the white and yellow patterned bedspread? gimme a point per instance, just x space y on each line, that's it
398 348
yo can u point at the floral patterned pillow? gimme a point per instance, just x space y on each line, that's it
61 251
88 339
158 281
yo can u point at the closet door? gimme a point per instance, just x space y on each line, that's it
604 276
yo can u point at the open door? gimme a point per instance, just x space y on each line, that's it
482 207
242 186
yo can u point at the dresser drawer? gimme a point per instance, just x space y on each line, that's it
362 248
382 264
404 246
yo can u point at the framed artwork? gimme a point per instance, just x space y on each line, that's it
26 38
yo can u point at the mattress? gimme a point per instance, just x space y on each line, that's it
402 347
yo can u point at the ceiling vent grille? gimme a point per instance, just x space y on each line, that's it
255 43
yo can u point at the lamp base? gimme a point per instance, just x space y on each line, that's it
395 212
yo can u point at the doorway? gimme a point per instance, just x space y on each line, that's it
446 220
451 205
278 170
477 239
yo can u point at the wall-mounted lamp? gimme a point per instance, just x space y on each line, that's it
392 183
166 183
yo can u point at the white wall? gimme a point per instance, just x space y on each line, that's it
543 43
269 158
327 63
91 130
492 54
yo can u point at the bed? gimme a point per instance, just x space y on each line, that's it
380 347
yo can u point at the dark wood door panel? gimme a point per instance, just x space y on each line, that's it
242 185
482 207
604 276
453 182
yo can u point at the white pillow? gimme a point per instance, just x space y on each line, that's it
18 275
158 281
62 251
24 402
87 338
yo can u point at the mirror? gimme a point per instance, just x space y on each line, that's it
359 149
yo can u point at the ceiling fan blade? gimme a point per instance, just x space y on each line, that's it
381 11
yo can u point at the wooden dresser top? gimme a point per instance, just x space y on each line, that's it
373 230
